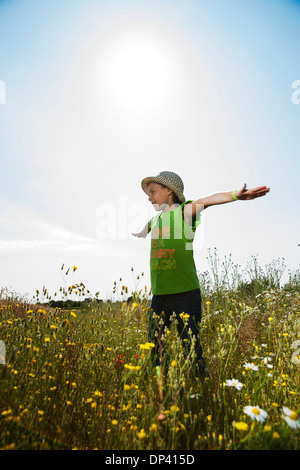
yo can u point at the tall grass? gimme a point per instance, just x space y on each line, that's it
84 378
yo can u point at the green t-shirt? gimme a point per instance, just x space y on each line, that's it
172 265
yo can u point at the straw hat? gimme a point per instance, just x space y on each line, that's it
169 179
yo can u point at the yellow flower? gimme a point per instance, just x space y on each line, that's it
114 422
134 305
133 427
147 346
241 426
153 427
74 268
131 367
126 387
142 434
47 339
73 314
184 315
276 435
174 408
174 363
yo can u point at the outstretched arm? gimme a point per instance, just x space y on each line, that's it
194 208
144 232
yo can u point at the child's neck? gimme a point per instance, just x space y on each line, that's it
171 207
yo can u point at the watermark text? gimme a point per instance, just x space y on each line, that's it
2 353
296 94
2 92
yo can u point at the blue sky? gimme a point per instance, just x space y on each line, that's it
99 94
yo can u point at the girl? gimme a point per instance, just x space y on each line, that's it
174 280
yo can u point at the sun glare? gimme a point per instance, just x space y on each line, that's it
138 76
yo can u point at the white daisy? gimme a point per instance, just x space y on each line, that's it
197 395
256 413
267 359
290 417
250 365
234 383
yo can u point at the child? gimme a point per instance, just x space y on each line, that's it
174 280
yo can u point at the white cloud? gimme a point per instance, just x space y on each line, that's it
24 229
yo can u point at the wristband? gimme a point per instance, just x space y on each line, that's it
234 195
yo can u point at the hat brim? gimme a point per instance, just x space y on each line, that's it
160 180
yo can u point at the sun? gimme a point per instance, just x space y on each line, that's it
138 76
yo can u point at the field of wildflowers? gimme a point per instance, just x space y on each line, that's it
83 378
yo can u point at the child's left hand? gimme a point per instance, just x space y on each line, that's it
247 194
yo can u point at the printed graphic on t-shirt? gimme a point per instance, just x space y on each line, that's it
161 257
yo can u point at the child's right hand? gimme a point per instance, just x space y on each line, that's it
137 234
143 233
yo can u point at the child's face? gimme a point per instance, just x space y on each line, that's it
159 196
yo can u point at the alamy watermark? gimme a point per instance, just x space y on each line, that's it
2 353
123 220
2 92
120 220
296 94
